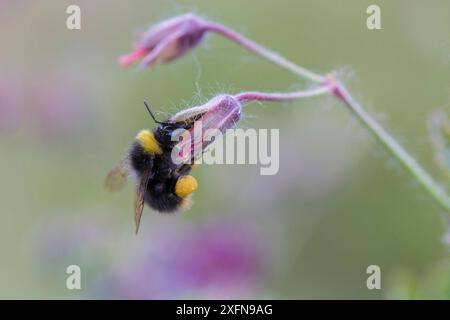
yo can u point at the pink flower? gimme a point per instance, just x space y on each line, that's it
60 105
217 259
214 117
11 102
167 40
221 113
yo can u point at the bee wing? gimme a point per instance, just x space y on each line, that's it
140 197
116 178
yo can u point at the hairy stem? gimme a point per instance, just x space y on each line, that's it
340 92
263 51
392 145
282 96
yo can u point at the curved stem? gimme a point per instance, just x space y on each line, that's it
340 92
392 145
262 51
282 96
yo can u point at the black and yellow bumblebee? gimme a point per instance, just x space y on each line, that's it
164 185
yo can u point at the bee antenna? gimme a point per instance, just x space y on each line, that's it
151 113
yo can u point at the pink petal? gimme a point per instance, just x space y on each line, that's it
127 59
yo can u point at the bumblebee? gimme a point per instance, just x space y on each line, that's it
161 184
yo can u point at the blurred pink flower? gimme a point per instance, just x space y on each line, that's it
86 239
215 260
167 40
11 98
70 236
60 105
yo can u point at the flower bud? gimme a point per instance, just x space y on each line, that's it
221 113
167 40
204 122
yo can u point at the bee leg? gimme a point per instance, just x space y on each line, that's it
185 169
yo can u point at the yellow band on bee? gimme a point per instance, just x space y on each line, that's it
185 186
148 142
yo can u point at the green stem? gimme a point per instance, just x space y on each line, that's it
340 92
397 150
258 49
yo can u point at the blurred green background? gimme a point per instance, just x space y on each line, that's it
339 203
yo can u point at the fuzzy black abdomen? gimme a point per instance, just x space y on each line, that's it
160 196
160 193
140 160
